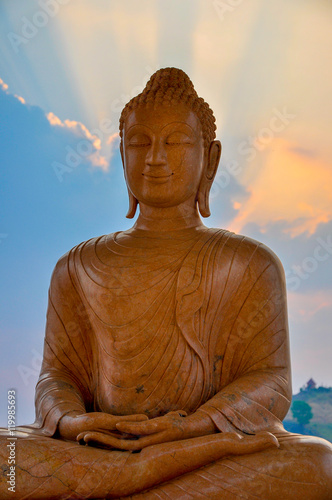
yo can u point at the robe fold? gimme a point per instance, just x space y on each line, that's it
143 322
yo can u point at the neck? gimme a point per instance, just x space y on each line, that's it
168 219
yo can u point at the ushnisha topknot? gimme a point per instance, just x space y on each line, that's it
171 87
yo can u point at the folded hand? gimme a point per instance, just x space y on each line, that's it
140 434
73 425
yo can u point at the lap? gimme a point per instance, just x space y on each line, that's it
300 468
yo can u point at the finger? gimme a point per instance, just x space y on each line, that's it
267 438
95 438
180 413
108 422
248 444
142 428
133 418
150 440
139 444
81 436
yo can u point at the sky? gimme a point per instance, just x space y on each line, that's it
67 68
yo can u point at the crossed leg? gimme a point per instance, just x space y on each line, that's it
254 467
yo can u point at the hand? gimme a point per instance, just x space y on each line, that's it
72 425
171 427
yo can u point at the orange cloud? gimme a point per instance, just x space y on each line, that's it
78 127
291 186
4 87
20 98
113 138
96 158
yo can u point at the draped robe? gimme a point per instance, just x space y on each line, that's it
143 322
148 323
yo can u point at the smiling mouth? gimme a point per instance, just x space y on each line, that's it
157 178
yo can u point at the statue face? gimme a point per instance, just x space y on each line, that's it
163 155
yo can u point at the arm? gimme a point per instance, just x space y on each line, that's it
255 386
64 384
64 399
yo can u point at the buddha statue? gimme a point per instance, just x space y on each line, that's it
166 370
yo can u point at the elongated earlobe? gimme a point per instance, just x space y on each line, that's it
203 201
208 176
132 205
132 200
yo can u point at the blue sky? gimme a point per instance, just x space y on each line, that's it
67 68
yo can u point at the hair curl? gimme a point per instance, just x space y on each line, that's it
171 87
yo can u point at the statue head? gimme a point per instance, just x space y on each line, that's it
166 126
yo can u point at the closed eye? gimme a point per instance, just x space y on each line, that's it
139 144
139 141
178 138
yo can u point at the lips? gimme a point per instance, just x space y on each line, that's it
157 178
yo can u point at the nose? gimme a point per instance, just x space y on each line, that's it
156 155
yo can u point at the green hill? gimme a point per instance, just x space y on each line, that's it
320 401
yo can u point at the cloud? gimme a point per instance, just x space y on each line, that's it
93 143
20 98
75 136
290 186
78 128
3 85
113 138
112 145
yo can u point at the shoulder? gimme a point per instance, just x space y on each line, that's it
62 270
255 250
244 252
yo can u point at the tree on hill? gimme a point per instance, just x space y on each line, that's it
302 412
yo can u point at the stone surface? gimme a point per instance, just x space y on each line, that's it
166 347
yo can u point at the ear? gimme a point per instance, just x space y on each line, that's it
209 173
132 200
